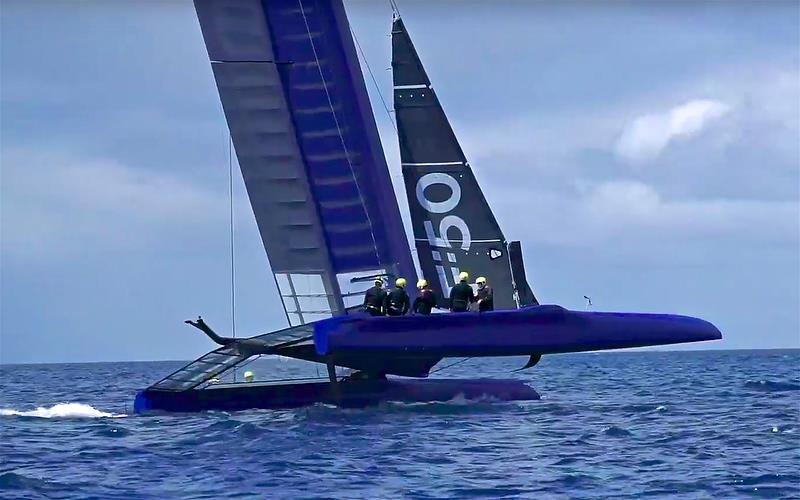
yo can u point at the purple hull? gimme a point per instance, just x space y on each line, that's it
532 330
353 393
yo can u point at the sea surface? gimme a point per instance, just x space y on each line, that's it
707 424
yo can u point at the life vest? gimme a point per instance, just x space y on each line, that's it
461 296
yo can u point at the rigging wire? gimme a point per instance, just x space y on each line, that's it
448 366
233 241
395 10
339 129
374 80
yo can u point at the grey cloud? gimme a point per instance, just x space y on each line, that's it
58 204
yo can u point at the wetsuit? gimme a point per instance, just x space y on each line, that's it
425 302
396 302
461 296
485 298
373 300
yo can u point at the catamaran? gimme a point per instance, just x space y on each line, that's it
307 144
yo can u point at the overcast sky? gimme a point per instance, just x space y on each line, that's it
646 154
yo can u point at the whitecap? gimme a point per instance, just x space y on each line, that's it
61 410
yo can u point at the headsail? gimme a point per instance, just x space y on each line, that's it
308 147
454 227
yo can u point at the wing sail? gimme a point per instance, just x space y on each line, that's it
308 148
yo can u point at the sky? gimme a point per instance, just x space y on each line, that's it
647 154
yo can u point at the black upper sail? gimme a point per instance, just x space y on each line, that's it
454 227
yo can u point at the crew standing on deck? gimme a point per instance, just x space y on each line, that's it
461 295
426 300
374 298
396 302
485 295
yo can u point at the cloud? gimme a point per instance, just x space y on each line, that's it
629 215
751 152
56 204
648 135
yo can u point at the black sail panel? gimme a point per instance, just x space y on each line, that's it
454 227
406 67
525 296
424 132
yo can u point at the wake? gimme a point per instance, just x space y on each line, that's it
61 410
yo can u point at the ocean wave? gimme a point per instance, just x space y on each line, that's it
616 431
14 481
61 410
672 441
770 386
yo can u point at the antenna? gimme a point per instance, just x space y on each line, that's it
588 302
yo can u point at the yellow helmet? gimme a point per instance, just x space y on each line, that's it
422 283
464 276
400 283
481 280
248 376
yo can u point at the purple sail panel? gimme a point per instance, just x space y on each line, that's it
337 135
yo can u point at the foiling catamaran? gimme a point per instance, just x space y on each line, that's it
308 147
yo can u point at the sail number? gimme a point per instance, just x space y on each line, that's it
446 224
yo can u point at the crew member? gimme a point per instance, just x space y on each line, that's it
396 302
461 295
374 298
485 295
426 300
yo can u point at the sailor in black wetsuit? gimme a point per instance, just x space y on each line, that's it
485 295
426 300
374 298
461 295
397 301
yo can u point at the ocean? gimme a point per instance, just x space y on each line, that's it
699 424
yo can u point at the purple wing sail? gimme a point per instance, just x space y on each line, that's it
308 147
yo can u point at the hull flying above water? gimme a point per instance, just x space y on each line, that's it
307 144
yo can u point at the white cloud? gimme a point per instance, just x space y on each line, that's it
628 213
646 136
749 152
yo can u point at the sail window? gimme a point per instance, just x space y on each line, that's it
294 319
304 297
283 284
